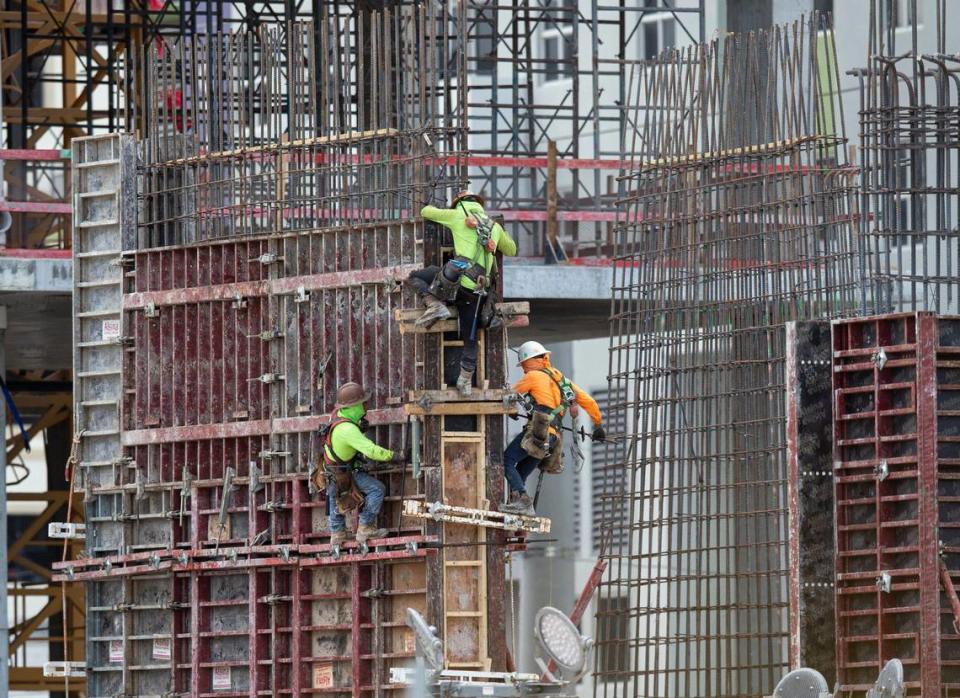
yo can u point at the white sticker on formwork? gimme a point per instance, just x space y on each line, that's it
323 675
161 648
221 678
116 651
111 329
488 690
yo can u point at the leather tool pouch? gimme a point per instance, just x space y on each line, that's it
348 496
536 435
553 463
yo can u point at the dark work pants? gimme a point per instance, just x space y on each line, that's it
468 307
517 465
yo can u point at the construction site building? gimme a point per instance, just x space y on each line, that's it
750 214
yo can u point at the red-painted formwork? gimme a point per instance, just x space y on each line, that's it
258 266
896 386
219 578
233 363
278 627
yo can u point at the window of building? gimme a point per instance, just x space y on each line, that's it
485 37
613 637
557 40
658 29
611 520
904 13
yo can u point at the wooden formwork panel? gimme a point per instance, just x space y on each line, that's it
897 490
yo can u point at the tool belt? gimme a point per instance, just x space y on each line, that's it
446 283
540 443
349 497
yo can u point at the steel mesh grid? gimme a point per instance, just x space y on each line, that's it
740 221
910 183
349 119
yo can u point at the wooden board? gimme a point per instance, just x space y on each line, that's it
459 408
407 326
464 463
507 309
449 402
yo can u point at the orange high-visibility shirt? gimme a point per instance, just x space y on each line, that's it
545 391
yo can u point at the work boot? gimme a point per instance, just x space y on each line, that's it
465 383
436 310
367 531
339 537
520 503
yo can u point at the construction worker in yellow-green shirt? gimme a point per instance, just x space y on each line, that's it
465 280
341 474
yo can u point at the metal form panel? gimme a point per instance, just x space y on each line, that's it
103 184
897 499
281 627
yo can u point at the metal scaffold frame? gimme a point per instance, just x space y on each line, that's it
550 127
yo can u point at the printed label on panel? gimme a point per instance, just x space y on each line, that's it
221 678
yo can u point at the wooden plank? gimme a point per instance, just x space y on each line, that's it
483 518
450 395
552 197
460 409
349 136
512 308
408 327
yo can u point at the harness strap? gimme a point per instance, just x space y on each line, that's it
474 271
330 456
561 408
481 249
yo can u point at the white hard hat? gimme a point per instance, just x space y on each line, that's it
531 350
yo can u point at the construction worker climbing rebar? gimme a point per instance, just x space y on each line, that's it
550 395
466 279
342 475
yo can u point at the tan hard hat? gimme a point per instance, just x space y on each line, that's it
467 194
351 394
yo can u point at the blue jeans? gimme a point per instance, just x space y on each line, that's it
373 493
518 464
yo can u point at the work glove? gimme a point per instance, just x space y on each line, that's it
401 456
363 424
599 435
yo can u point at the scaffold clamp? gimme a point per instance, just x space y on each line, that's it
62 670
67 531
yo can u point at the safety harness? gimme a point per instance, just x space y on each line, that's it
536 438
446 283
568 395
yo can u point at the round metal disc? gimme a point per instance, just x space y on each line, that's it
890 682
801 683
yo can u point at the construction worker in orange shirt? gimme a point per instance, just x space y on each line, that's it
550 395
